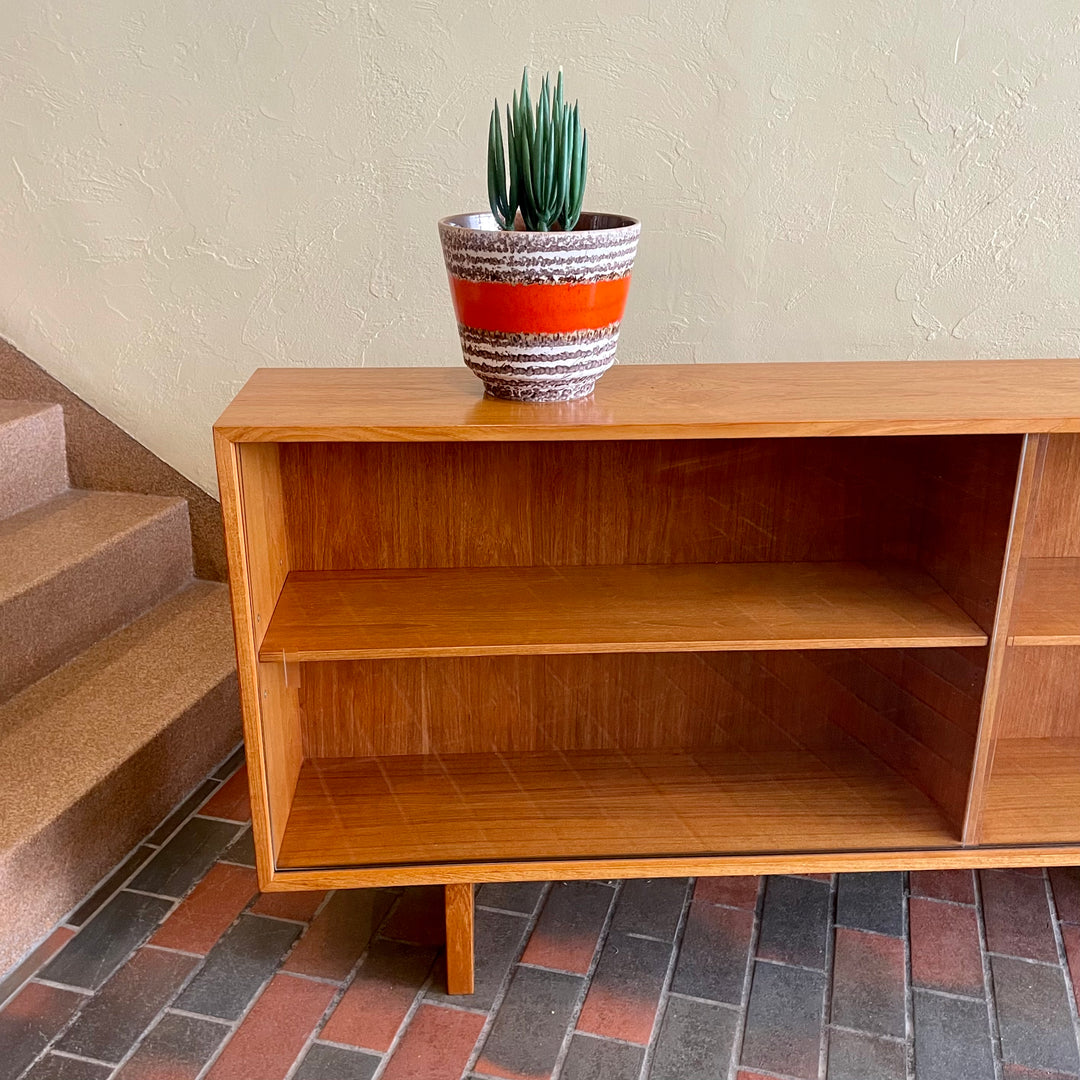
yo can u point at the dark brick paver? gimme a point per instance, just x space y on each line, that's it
177 967
323 1062
112 1021
712 960
871 902
795 922
178 1047
246 955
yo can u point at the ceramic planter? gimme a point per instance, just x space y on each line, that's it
539 312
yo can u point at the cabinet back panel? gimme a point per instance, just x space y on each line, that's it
629 701
353 506
940 501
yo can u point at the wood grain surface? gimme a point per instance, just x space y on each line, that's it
360 506
684 607
1055 528
600 804
638 401
916 709
659 630
1040 693
1033 709
1026 487
1034 792
271 713
460 939
581 701
1047 606
948 857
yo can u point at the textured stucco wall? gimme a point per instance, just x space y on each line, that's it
191 189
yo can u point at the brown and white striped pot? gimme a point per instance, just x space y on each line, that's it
539 312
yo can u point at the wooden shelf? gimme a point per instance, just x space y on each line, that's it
1033 796
1047 606
490 611
400 811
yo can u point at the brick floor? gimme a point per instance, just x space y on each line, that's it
176 968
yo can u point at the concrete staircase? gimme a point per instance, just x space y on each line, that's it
117 674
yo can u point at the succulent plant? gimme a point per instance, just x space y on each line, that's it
544 157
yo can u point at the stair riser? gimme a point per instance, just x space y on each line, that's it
47 874
47 625
33 460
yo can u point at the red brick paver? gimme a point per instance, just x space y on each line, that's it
1017 915
271 1036
955 885
230 801
340 933
945 952
300 906
436 1045
740 892
209 910
380 996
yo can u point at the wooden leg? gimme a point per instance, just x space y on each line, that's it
459 939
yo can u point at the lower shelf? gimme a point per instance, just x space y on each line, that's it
1034 793
424 810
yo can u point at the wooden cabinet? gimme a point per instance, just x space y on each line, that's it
713 620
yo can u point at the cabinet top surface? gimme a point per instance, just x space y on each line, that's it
666 401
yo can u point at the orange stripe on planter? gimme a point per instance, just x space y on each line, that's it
538 309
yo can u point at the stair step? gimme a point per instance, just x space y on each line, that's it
33 455
99 751
79 567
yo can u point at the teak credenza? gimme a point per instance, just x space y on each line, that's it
715 619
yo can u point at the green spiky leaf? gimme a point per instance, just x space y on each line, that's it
497 196
539 167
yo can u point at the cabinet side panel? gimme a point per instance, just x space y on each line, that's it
1040 688
1027 478
1033 786
1040 693
281 746
265 535
273 734
251 699
1040 685
966 492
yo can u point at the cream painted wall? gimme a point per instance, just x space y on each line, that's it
189 190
